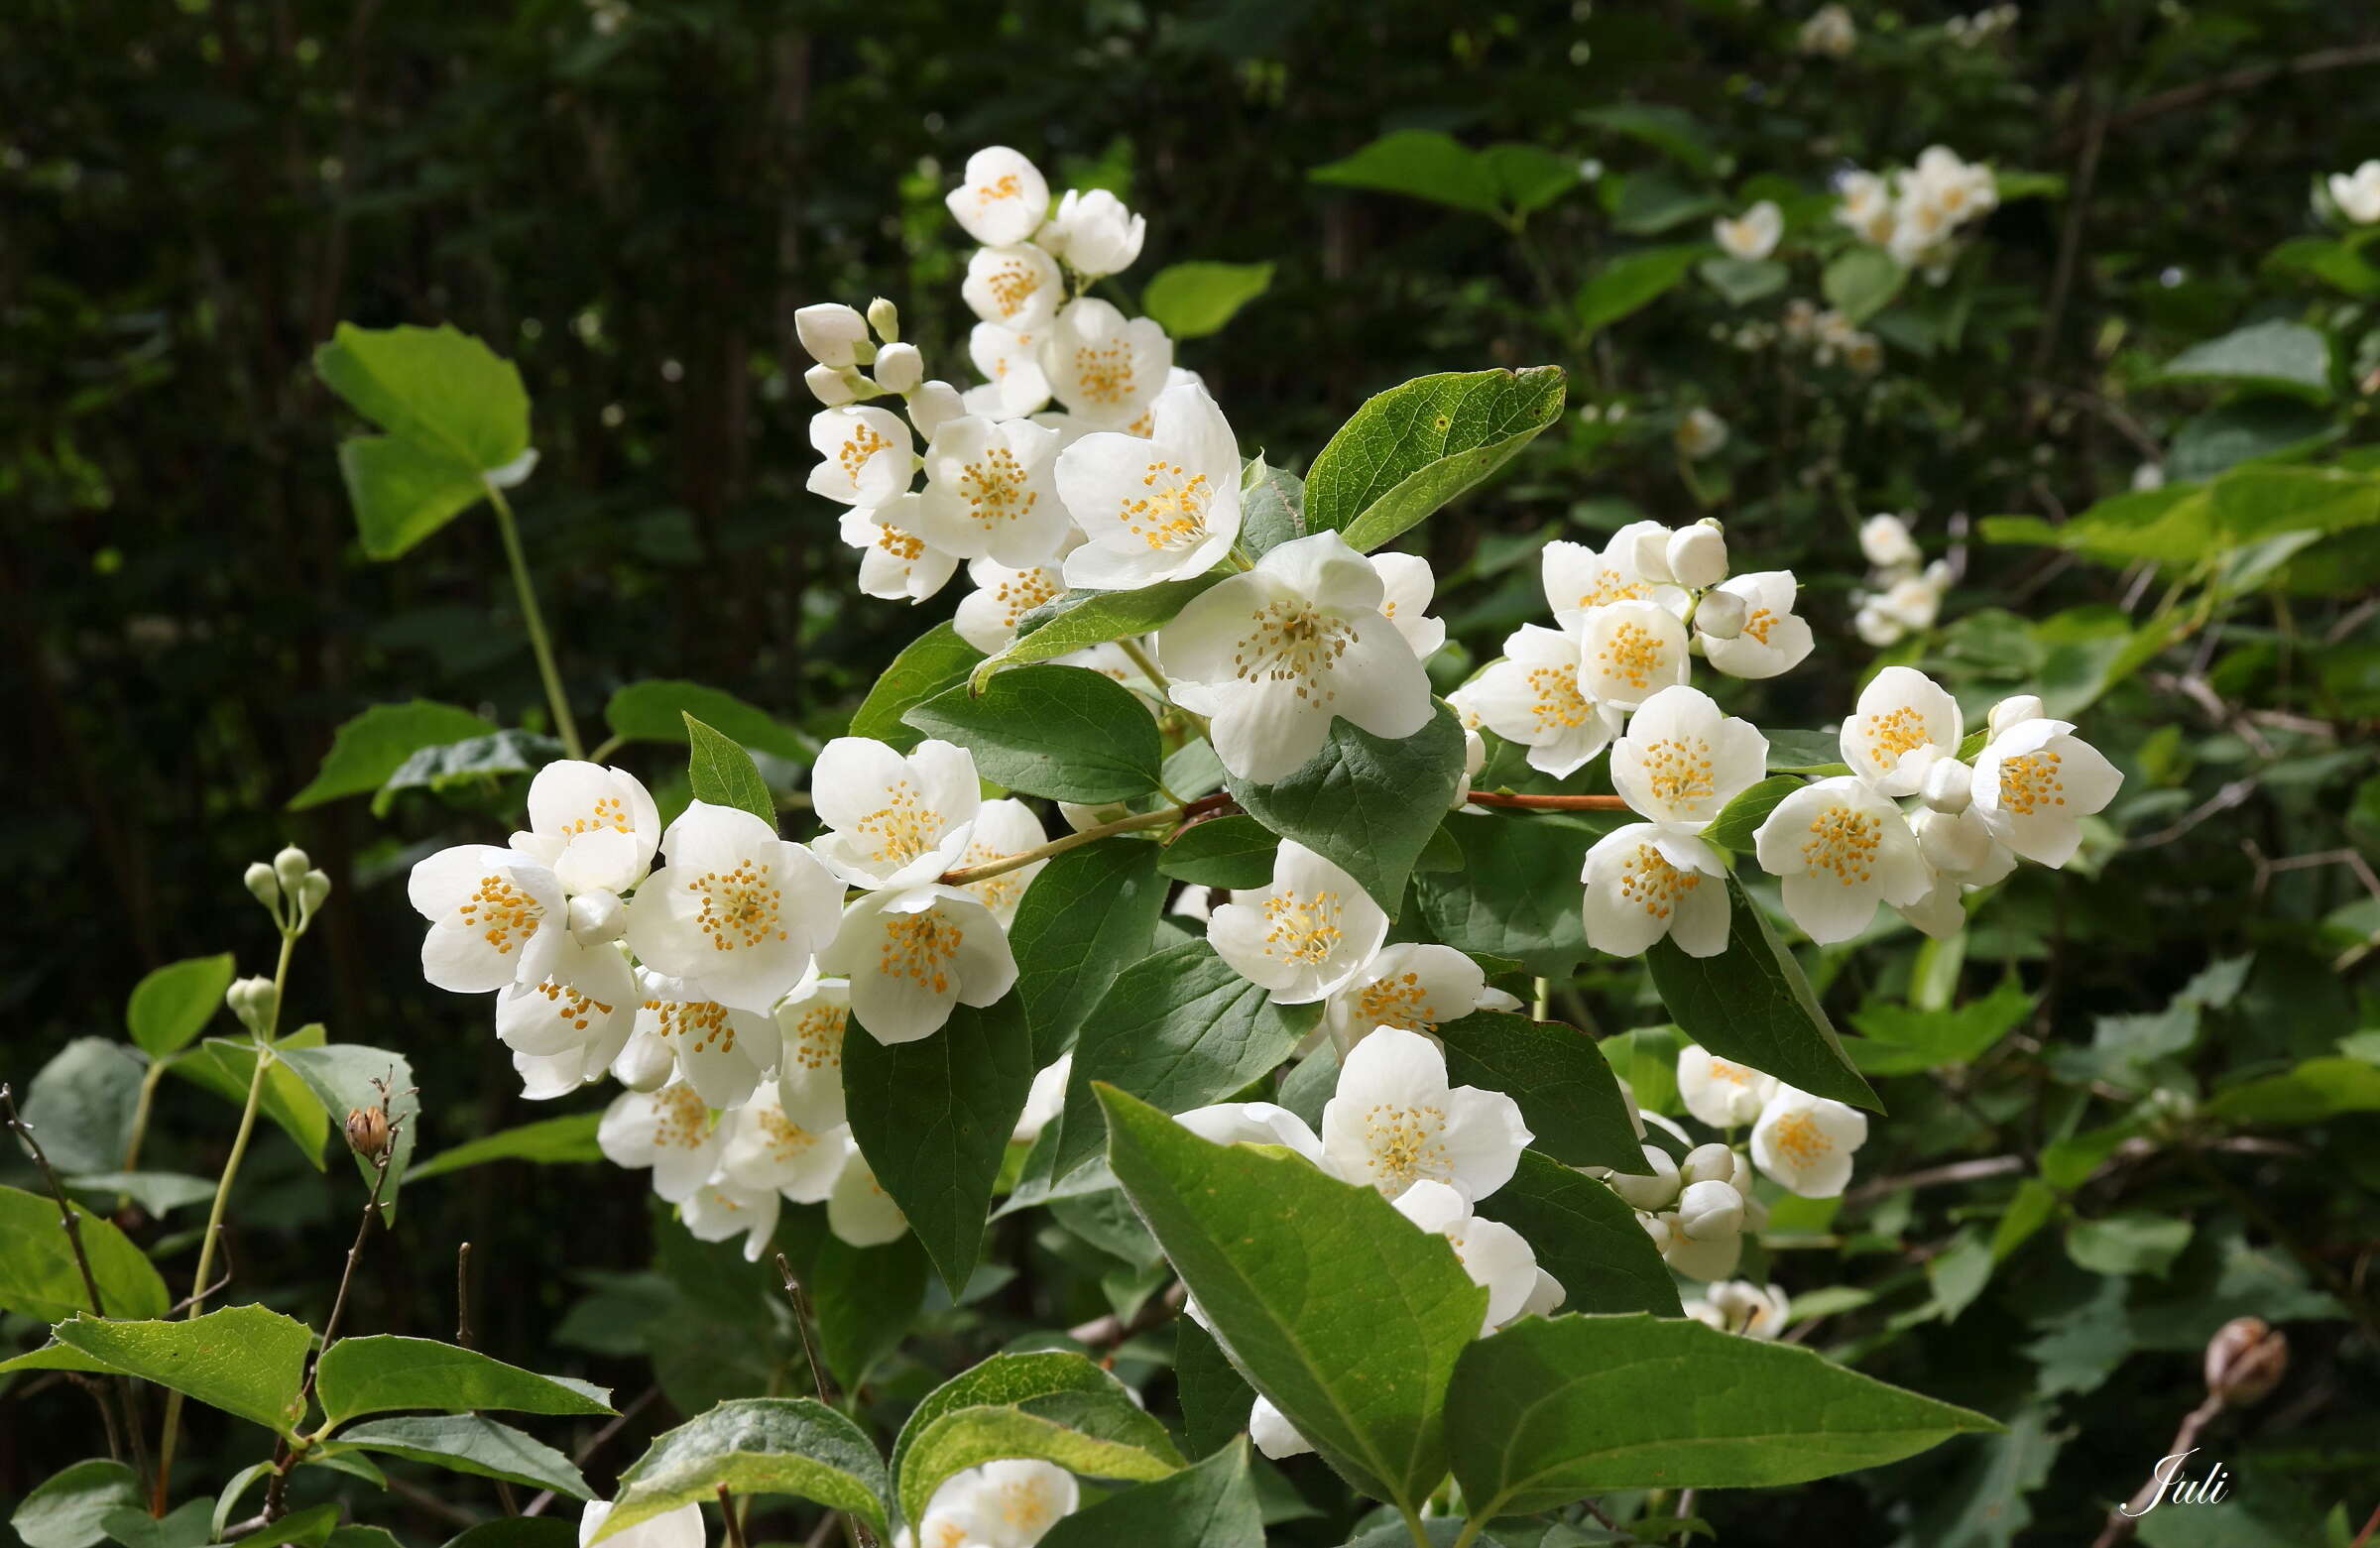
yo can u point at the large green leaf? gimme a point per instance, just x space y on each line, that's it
1566 1090
934 1118
244 1359
657 710
1633 280
1210 1505
1053 1405
1751 1004
1862 281
1221 852
1064 732
470 1443
2316 1088
64 1509
402 492
367 749
1502 181
755 1446
39 1277
1180 1029
381 1373
866 1298
1586 1237
1079 620
341 1076
1365 803
1194 300
187 1527
548 1141
724 775
1416 447
1738 820
1515 893
454 412
1272 507
1549 1412
1088 914
173 1003
2281 356
226 1065
1332 1304
1903 1040
933 663
81 1105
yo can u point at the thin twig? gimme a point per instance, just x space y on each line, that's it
2244 79
2122 1522
462 1295
802 1325
1954 1171
222 1247
614 1426
1110 1330
1521 803
727 1514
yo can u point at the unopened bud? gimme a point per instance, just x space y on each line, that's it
898 367
1713 1163
367 1132
933 405
831 385
1648 1193
1697 555
2015 711
1948 786
289 867
832 333
251 1001
597 919
312 891
1711 1210
884 318
2245 1359
262 885
1720 615
1647 547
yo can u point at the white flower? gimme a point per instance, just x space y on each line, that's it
1016 287
547 1076
1160 507
933 405
1577 577
912 955
899 367
1720 1092
988 616
718 1210
594 1007
1000 1504
859 1212
1533 697
1273 1431
1646 881
1804 1144
1959 189
1394 1122
768 1151
1002 199
1884 538
1720 615
1004 828
896 563
1829 31
1014 384
737 911
496 917
809 1068
670 1130
1103 368
1904 722
1940 913
1416 987
1545 1296
1681 761
1961 844
1753 234
1739 1306
1630 652
893 822
1305 934
1774 637
1493 1253
1275 653
720 1050
2357 194
2033 781
1094 233
680 1528
1406 586
1866 208
989 492
1043 1100
2014 711
1841 849
594 827
1253 1123
1701 434
868 454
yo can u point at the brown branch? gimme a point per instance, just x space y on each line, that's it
1109 1331
1520 802
2121 1524
2246 78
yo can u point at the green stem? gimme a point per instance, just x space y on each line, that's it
536 620
1147 664
1470 1533
1421 1534
966 876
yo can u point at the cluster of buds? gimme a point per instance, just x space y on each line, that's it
290 888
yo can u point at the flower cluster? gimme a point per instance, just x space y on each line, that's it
2356 194
1971 32
1914 213
1830 32
1903 594
1830 336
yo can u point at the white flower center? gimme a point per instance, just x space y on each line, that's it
787 1141
1399 1001
698 1022
572 1004
815 1039
1173 514
1631 654
1652 884
1844 842
1556 704
994 487
1293 641
2030 783
679 1119
1677 769
1892 733
901 829
1103 370
609 811
1407 1144
1302 929
738 908
1797 1137
862 443
1012 284
503 913
920 948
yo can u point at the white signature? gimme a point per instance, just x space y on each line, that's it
2167 1483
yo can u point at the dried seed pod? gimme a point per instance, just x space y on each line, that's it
2245 1359
368 1132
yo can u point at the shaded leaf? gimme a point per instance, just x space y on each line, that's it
1056 1406
755 1445
1419 446
1063 732
367 749
1365 803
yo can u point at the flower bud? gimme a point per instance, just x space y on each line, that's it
289 867
1711 1210
831 332
1713 1163
1094 233
1721 614
1648 1193
1948 786
1697 555
2245 1359
1646 544
252 1000
314 891
898 367
262 885
597 919
367 1132
831 385
1078 817
884 318
933 405
1661 1228
2015 711
646 1064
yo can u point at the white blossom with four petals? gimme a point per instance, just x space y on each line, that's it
1394 1122
1305 934
1840 849
1002 200
1535 696
1804 1144
893 820
1154 508
736 911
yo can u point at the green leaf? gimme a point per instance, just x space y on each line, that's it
1194 300
2337 264
1547 1412
1862 281
2315 1090
374 744
172 1004
381 1373
1902 1039
1063 732
81 1103
1751 1004
1272 507
1055 1406
1586 1237
865 1298
1073 622
1513 893
755 1446
1566 1091
476 761
723 774
933 663
1215 1398
470 1443
1741 817
1632 281
341 1076
244 1359
1088 914
1672 130
1419 446
1502 181
1365 803
65 1508
402 492
1815 752
934 1118
1960 1271
39 1276
1181 1030
307 1528
454 411
2286 357
1742 280
1231 851
1644 203
189 1526
548 1141
2245 430
1332 1304
1210 1505
2132 1243
225 1066
159 1193
657 710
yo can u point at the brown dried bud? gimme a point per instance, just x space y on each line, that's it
368 1130
2245 1359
